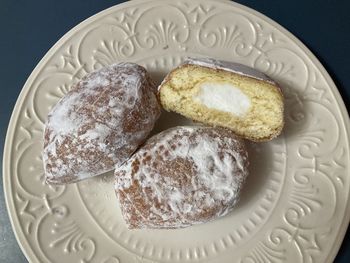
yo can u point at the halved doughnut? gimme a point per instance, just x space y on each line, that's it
225 94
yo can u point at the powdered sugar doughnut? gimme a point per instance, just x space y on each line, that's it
99 123
182 176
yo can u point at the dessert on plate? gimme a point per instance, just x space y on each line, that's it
182 176
225 94
99 123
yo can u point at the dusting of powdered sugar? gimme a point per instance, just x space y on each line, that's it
100 131
65 121
229 66
97 124
217 169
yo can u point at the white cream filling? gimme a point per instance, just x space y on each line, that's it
223 97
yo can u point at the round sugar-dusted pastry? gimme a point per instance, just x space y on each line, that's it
99 123
182 176
225 94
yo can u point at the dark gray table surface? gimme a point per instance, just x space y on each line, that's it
30 28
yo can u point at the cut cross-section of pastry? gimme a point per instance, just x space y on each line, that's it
182 176
225 94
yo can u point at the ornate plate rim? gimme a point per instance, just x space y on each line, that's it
23 242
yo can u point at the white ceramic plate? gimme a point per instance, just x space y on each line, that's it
295 205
